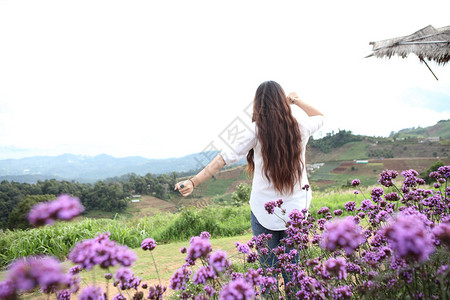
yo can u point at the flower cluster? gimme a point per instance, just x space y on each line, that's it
103 252
388 246
26 274
64 208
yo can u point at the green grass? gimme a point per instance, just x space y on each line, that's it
59 239
357 150
217 187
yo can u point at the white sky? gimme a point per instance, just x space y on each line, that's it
163 79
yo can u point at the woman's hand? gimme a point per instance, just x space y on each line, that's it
293 98
184 187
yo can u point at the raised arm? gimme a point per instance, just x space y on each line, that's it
308 109
187 187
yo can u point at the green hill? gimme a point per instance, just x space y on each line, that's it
441 129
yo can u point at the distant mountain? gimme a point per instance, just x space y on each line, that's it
441 129
90 169
340 146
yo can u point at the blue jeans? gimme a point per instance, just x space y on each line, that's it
269 260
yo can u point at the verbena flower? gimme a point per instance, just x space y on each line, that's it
323 210
243 248
156 292
203 274
199 247
218 260
92 293
350 205
393 196
366 205
337 212
386 177
270 207
409 239
123 274
45 272
238 289
101 251
355 182
7 289
205 235
119 297
442 232
336 267
63 295
64 207
445 171
376 194
179 279
342 292
342 234
148 244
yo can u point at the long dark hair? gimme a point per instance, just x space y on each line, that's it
279 135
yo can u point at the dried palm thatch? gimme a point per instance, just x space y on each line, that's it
427 43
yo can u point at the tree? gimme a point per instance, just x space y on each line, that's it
241 195
18 217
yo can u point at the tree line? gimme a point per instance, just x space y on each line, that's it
109 195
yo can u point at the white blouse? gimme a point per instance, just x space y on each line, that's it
263 190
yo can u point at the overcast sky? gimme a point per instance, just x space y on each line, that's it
164 79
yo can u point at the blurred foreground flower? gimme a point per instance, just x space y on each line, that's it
409 238
342 234
26 274
64 208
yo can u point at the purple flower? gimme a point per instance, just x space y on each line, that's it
338 212
156 292
203 274
180 278
366 205
123 274
63 295
442 232
336 267
199 247
386 177
350 205
305 187
7 289
46 272
408 237
218 260
62 208
119 297
445 171
270 207
342 292
376 194
75 270
355 182
205 235
243 248
237 289
148 244
252 257
92 293
393 196
342 234
323 210
353 268
101 251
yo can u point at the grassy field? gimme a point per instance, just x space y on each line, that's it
168 258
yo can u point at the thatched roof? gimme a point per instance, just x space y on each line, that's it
427 43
